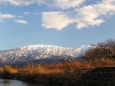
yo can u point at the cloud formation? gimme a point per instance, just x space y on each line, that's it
94 14
56 20
91 15
6 16
17 2
81 15
3 17
63 4
21 21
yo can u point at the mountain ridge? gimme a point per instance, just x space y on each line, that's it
37 52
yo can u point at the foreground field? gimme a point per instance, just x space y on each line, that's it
64 74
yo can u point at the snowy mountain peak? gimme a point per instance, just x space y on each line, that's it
42 46
37 52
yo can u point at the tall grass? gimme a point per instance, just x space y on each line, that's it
65 74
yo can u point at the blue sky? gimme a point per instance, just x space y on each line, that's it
67 23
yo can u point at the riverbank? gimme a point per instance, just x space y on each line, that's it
64 74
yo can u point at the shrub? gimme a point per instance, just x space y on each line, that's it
9 69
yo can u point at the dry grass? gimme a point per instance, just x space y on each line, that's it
9 69
104 63
63 67
61 73
39 69
56 68
1 70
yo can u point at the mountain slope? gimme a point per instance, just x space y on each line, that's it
37 52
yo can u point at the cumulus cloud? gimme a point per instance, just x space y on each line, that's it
94 14
6 16
21 21
91 15
57 20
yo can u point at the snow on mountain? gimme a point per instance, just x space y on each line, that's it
36 52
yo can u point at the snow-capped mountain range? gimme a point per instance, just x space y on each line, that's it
37 52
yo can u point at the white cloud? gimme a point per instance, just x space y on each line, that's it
6 16
19 2
56 20
21 21
26 13
83 16
2 2
94 14
91 15
63 4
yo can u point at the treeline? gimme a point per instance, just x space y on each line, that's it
101 52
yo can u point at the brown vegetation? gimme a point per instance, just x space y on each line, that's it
65 74
101 52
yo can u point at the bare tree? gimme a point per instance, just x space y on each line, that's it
101 51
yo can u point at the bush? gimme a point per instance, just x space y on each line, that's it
9 69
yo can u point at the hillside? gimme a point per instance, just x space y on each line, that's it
38 52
